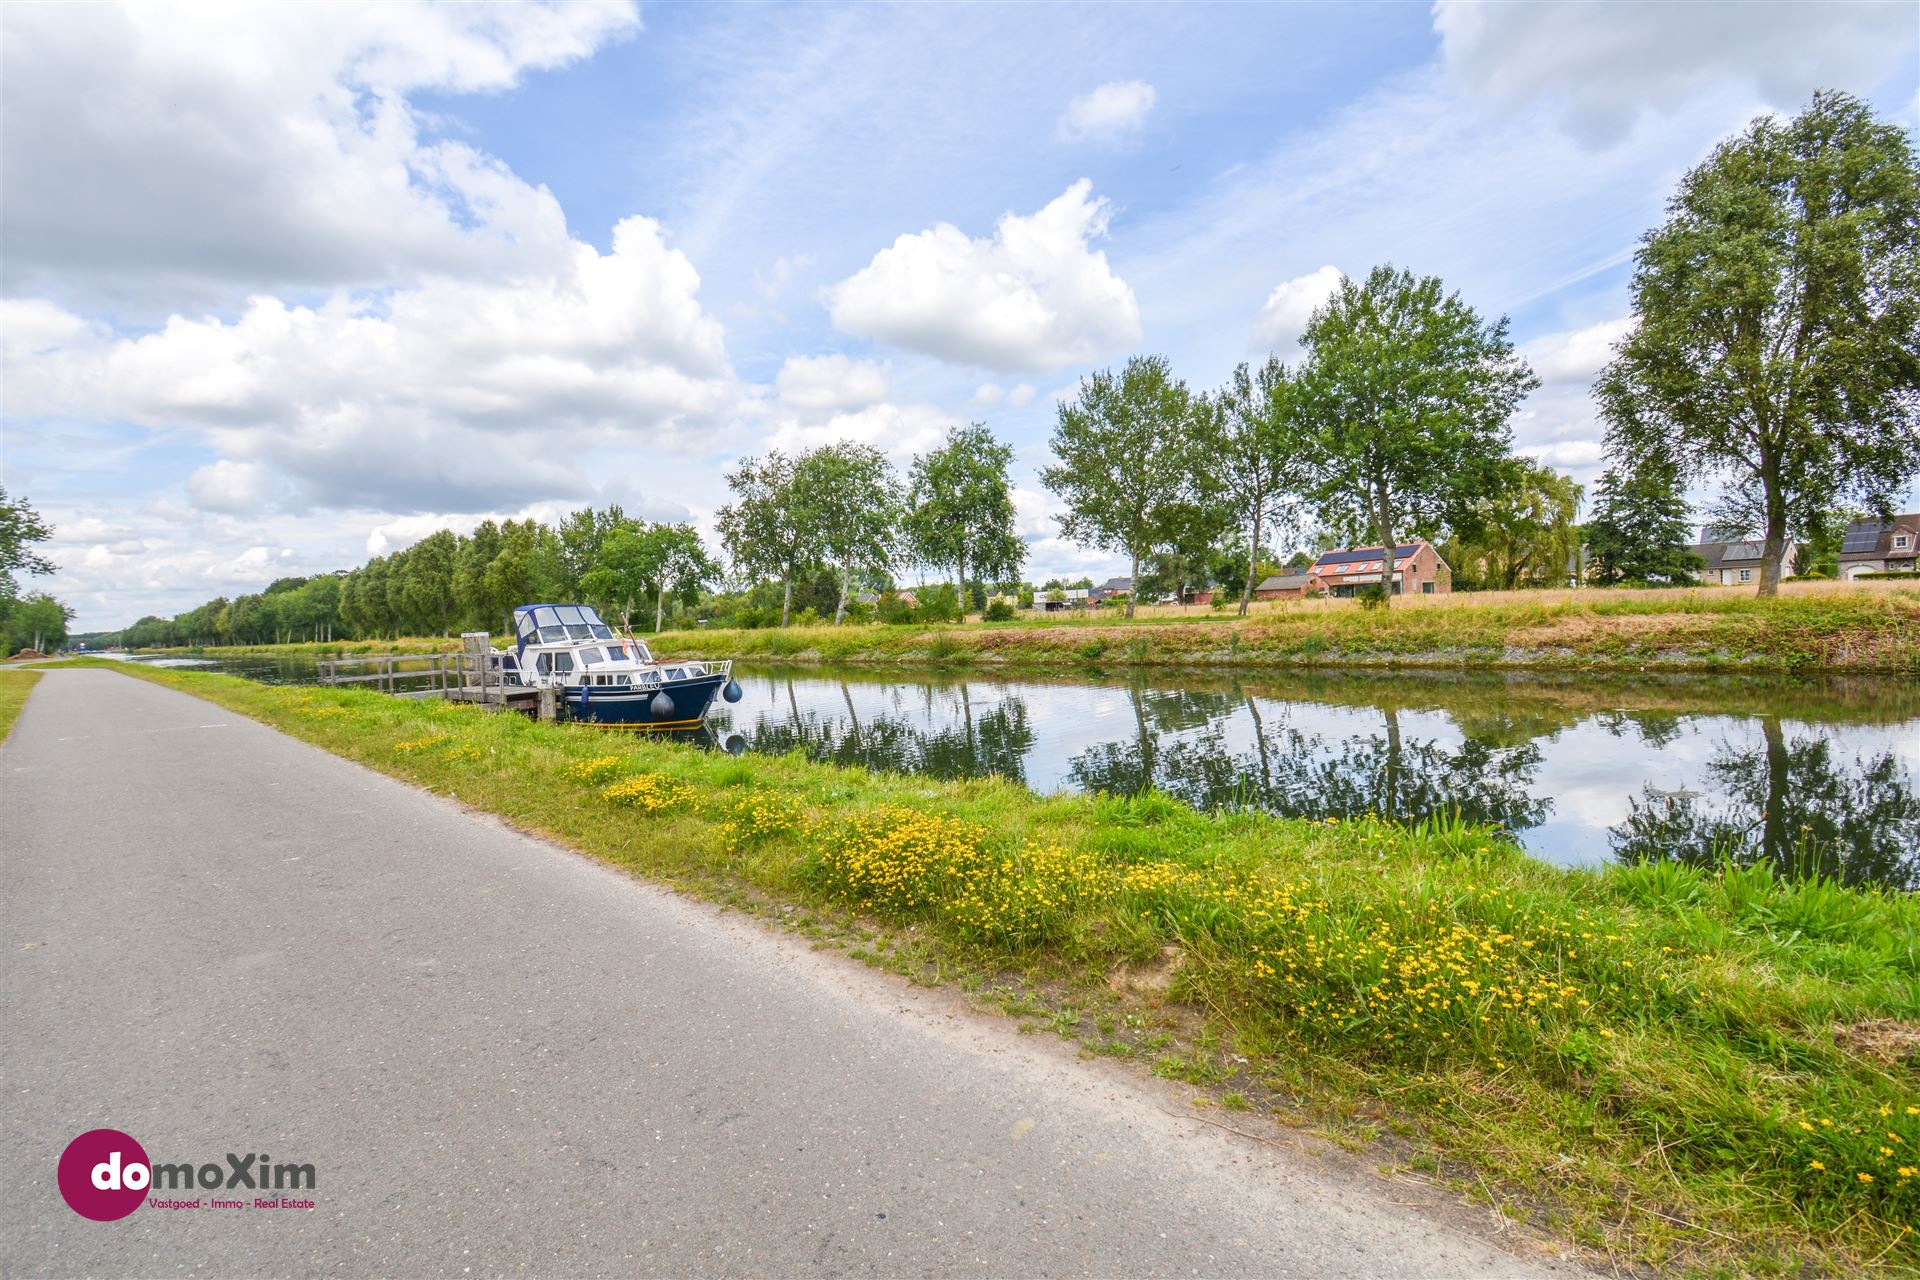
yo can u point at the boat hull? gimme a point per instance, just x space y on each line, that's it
635 708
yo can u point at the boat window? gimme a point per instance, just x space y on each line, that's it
641 652
544 664
524 624
601 631
591 657
563 663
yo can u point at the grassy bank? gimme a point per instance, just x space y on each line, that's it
1839 629
1683 630
14 688
1673 1066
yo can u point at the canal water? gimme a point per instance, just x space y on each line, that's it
1814 776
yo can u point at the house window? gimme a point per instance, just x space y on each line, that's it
1426 588
1746 575
1902 541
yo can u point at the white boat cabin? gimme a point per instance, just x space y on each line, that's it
570 646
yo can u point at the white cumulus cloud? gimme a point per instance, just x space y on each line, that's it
1559 424
1110 112
1036 295
453 395
166 153
830 382
1288 308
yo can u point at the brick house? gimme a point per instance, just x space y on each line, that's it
1880 546
1417 570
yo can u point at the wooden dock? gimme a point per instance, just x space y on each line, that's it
474 675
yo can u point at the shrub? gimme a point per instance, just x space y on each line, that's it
807 617
938 604
891 608
999 611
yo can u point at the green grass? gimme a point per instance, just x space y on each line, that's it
1710 630
1650 1061
1834 630
14 688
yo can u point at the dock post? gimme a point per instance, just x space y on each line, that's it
549 703
478 646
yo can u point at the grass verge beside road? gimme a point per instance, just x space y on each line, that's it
1677 1066
14 688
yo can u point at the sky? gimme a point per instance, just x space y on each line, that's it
283 287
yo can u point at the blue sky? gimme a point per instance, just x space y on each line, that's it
285 288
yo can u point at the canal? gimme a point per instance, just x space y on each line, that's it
1815 776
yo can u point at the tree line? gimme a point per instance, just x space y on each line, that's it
449 582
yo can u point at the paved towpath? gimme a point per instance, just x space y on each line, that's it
502 1058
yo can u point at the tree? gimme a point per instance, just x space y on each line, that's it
1528 529
21 529
960 507
764 529
527 568
1638 532
426 587
470 561
38 622
849 508
1252 448
660 560
684 567
626 568
581 535
1403 404
1125 450
1777 334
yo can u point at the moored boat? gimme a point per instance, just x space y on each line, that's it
608 678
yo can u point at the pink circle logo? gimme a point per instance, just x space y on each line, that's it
104 1174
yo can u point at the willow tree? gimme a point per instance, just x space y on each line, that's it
1777 334
1528 528
1126 458
1403 403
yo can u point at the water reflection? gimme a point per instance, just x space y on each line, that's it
1812 776
1579 770
993 742
1790 802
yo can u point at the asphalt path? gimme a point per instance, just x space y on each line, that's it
503 1058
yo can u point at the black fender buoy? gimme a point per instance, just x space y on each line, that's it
662 706
733 692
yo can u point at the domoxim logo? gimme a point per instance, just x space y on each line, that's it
104 1175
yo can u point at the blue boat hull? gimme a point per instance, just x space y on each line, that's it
635 708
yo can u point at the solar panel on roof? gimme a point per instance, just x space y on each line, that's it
1862 537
